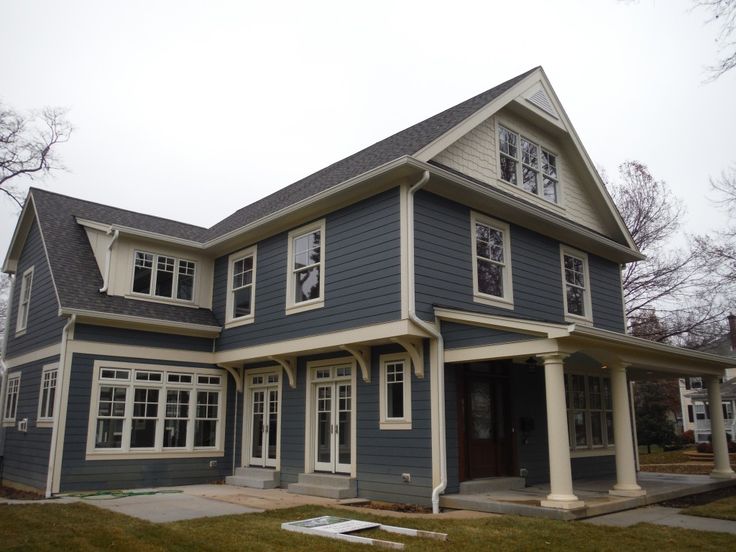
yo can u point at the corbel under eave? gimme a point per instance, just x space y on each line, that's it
289 366
236 376
415 347
363 357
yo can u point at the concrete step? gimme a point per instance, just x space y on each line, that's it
255 478
491 484
325 485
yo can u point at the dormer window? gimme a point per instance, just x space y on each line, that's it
527 165
163 276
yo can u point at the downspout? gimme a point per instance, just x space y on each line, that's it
108 260
433 331
57 402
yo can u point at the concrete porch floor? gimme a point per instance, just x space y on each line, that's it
594 492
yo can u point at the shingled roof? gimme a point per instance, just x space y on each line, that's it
72 261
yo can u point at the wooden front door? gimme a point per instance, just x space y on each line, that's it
487 428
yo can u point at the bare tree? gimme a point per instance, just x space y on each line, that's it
673 294
28 145
722 246
722 12
4 302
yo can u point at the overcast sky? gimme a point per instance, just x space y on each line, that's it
190 110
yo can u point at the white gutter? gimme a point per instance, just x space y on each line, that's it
57 403
433 331
108 260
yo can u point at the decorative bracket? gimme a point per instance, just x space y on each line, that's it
415 347
236 376
289 366
363 356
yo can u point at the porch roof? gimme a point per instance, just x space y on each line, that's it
645 359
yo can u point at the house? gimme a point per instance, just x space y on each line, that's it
440 307
700 400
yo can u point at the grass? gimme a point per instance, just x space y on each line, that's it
660 457
724 508
84 527
675 461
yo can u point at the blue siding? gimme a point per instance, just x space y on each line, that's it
26 457
452 429
463 335
120 336
444 276
79 474
293 405
44 324
383 455
362 277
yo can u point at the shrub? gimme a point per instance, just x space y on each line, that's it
688 437
704 447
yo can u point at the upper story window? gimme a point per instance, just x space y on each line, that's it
526 164
305 287
491 261
24 302
11 398
241 287
163 276
576 282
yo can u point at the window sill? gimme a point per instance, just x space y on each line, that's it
586 453
398 425
546 202
575 319
152 455
44 423
20 333
493 301
234 323
305 306
162 300
8 423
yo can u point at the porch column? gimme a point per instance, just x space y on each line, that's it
560 472
722 468
622 434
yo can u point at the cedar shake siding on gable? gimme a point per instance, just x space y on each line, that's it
444 271
44 324
362 277
78 474
26 455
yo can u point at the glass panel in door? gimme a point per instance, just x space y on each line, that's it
324 460
258 409
344 419
273 416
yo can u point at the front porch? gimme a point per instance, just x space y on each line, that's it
593 492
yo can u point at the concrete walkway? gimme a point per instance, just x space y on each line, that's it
660 515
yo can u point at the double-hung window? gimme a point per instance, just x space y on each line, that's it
241 291
491 261
11 399
576 285
47 395
526 164
305 288
395 392
589 411
156 411
24 301
163 276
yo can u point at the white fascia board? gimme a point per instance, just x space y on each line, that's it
106 228
22 227
505 323
533 210
211 331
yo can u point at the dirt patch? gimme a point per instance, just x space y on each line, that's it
699 499
387 506
15 494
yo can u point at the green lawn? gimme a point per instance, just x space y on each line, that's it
83 527
724 508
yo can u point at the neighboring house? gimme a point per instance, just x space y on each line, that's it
442 306
694 396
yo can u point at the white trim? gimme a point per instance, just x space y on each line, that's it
386 423
310 410
230 320
587 316
248 388
525 348
531 327
507 299
151 295
56 448
209 331
291 305
404 249
9 421
39 354
47 421
158 451
24 306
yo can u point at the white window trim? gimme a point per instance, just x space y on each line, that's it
124 453
606 449
542 146
386 423
245 455
10 421
151 296
26 285
47 421
291 306
587 302
230 321
507 301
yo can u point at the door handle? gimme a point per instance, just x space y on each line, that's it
332 429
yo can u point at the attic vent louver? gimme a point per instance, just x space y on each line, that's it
542 101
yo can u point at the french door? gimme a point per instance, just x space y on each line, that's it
264 415
333 417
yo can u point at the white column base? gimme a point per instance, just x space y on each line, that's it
563 502
630 491
723 474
